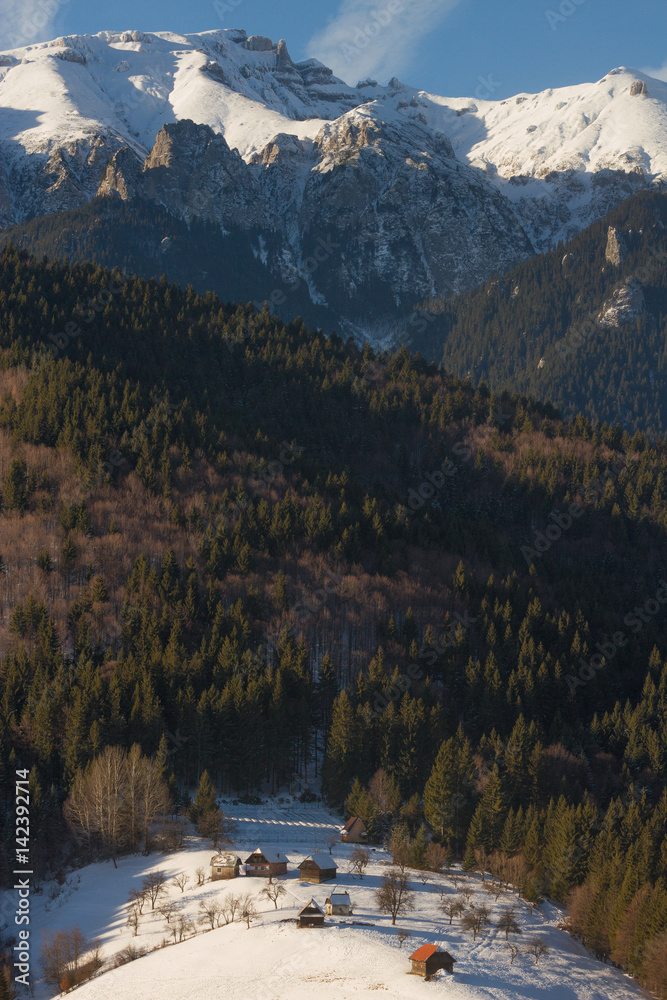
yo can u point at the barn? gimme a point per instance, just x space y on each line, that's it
224 866
318 868
428 959
266 863
338 904
311 915
354 831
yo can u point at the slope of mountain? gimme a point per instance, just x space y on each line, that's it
583 326
421 194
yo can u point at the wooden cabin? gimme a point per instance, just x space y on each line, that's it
318 868
354 831
311 915
224 866
338 904
428 959
266 863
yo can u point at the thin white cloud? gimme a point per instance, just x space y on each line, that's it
376 38
660 73
23 22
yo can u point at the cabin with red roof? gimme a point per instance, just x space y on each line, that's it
428 959
354 831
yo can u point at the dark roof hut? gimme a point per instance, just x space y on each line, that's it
311 915
318 868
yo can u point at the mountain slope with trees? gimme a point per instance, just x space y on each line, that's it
571 326
257 551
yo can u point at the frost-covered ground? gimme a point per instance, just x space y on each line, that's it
274 960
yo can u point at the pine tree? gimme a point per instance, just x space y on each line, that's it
205 800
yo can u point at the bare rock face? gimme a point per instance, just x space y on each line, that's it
617 250
192 172
639 89
625 306
258 43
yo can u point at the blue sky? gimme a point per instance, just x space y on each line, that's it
450 47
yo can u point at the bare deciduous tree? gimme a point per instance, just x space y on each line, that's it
452 906
393 895
167 909
211 910
67 957
513 949
247 909
359 859
508 922
138 898
200 874
332 840
133 917
182 926
466 892
115 800
273 891
180 881
475 920
435 856
153 885
538 947
231 906
403 937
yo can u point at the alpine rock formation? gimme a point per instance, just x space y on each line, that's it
372 198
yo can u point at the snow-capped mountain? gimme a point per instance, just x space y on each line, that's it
412 194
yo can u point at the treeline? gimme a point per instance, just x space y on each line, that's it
536 329
249 549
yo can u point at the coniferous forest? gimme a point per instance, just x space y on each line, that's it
258 551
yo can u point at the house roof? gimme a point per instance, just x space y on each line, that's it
273 857
225 860
351 821
426 951
311 905
322 861
338 899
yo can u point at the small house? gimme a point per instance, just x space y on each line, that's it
354 831
338 905
311 915
318 868
428 959
266 863
224 866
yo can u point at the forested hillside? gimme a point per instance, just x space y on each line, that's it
571 326
266 552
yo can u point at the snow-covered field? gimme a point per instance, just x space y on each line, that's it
273 959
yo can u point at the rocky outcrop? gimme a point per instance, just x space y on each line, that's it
625 306
639 89
616 250
192 172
